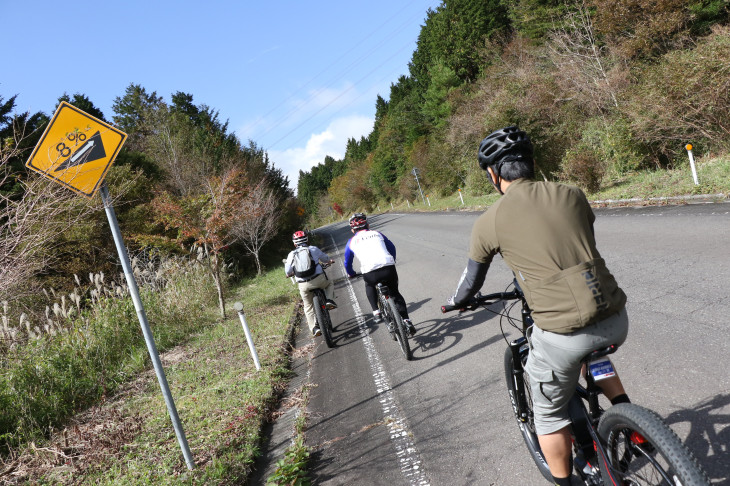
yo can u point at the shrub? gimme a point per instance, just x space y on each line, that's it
685 98
614 144
584 167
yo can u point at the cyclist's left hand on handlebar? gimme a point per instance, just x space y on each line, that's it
472 304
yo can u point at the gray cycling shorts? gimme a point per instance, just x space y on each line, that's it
554 366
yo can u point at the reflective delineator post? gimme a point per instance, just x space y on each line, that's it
149 339
692 163
239 308
461 197
428 198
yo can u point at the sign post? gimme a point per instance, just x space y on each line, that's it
76 151
149 339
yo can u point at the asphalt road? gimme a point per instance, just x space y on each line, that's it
445 419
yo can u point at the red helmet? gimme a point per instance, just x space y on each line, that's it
299 238
358 221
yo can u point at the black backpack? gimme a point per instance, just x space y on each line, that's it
304 265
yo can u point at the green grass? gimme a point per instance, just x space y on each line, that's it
221 398
713 176
46 380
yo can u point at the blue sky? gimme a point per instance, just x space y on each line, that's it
298 78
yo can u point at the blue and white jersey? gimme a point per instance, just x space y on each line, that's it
372 249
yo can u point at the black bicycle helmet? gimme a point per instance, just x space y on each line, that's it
358 221
507 144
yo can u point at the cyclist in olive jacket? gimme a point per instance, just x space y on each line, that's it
544 232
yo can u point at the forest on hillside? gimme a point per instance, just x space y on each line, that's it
182 180
603 88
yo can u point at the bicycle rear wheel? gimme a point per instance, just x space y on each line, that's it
400 330
526 424
323 318
642 450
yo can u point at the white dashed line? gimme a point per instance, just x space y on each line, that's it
411 464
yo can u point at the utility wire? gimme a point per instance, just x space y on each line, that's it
347 70
337 97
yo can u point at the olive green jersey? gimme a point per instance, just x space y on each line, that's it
544 232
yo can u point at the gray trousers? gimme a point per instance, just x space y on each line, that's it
554 366
305 290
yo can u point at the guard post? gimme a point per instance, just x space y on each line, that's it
239 308
692 163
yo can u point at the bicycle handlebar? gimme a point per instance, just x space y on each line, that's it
480 300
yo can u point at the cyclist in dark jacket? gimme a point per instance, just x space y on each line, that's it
544 232
376 254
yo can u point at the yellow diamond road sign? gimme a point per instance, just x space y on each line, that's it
76 150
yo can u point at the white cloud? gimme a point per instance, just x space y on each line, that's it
332 141
285 121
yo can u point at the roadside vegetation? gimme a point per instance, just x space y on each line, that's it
609 92
125 435
670 186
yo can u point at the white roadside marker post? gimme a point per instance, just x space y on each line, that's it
692 163
239 308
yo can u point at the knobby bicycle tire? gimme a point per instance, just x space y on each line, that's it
665 462
323 319
527 428
400 330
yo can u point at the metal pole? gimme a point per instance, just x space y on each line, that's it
239 308
149 339
415 173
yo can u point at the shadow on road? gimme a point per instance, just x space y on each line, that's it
709 435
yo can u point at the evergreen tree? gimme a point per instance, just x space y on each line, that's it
83 103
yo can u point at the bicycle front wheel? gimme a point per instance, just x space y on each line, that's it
323 319
526 423
642 450
400 330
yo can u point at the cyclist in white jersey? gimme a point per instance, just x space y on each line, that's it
376 255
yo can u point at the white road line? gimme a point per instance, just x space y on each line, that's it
411 464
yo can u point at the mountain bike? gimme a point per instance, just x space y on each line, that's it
323 314
392 318
632 444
